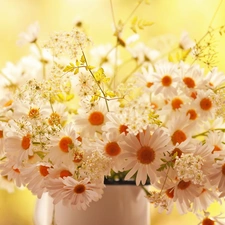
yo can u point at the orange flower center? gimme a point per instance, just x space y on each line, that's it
170 192
178 137
176 103
1 133
43 170
79 189
190 83
149 84
216 149
65 143
33 113
79 138
208 221
112 149
65 173
154 105
78 156
16 170
177 151
123 129
25 143
146 155
96 118
166 81
184 185
193 95
54 119
206 104
223 169
192 113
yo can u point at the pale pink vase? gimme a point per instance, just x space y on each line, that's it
120 205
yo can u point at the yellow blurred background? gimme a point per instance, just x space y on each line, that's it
169 17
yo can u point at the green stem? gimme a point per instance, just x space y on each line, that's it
145 190
107 106
165 180
132 13
6 77
205 132
134 70
42 60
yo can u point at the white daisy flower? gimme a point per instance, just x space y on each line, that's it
13 172
165 79
142 154
186 42
63 146
205 105
207 219
215 78
216 139
180 128
2 147
145 78
217 176
30 36
186 192
142 53
90 122
192 78
18 145
204 200
110 146
115 123
60 171
191 111
56 114
35 176
77 194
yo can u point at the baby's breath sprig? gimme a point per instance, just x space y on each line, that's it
93 75
204 50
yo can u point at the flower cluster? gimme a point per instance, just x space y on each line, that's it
70 120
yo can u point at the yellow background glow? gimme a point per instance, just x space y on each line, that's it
169 17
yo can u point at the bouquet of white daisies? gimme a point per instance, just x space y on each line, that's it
75 117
